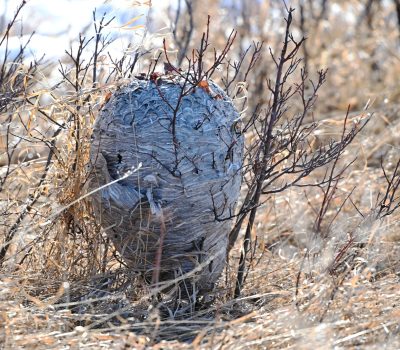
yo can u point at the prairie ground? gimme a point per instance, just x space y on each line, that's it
323 270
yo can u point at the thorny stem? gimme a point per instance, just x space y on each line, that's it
260 177
157 262
31 201
332 183
78 80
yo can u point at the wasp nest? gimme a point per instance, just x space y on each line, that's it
173 214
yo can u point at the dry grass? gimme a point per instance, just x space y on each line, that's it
63 286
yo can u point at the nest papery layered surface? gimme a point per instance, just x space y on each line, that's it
186 150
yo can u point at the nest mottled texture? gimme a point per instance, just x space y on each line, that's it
189 180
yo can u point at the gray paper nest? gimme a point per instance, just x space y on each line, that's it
191 187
